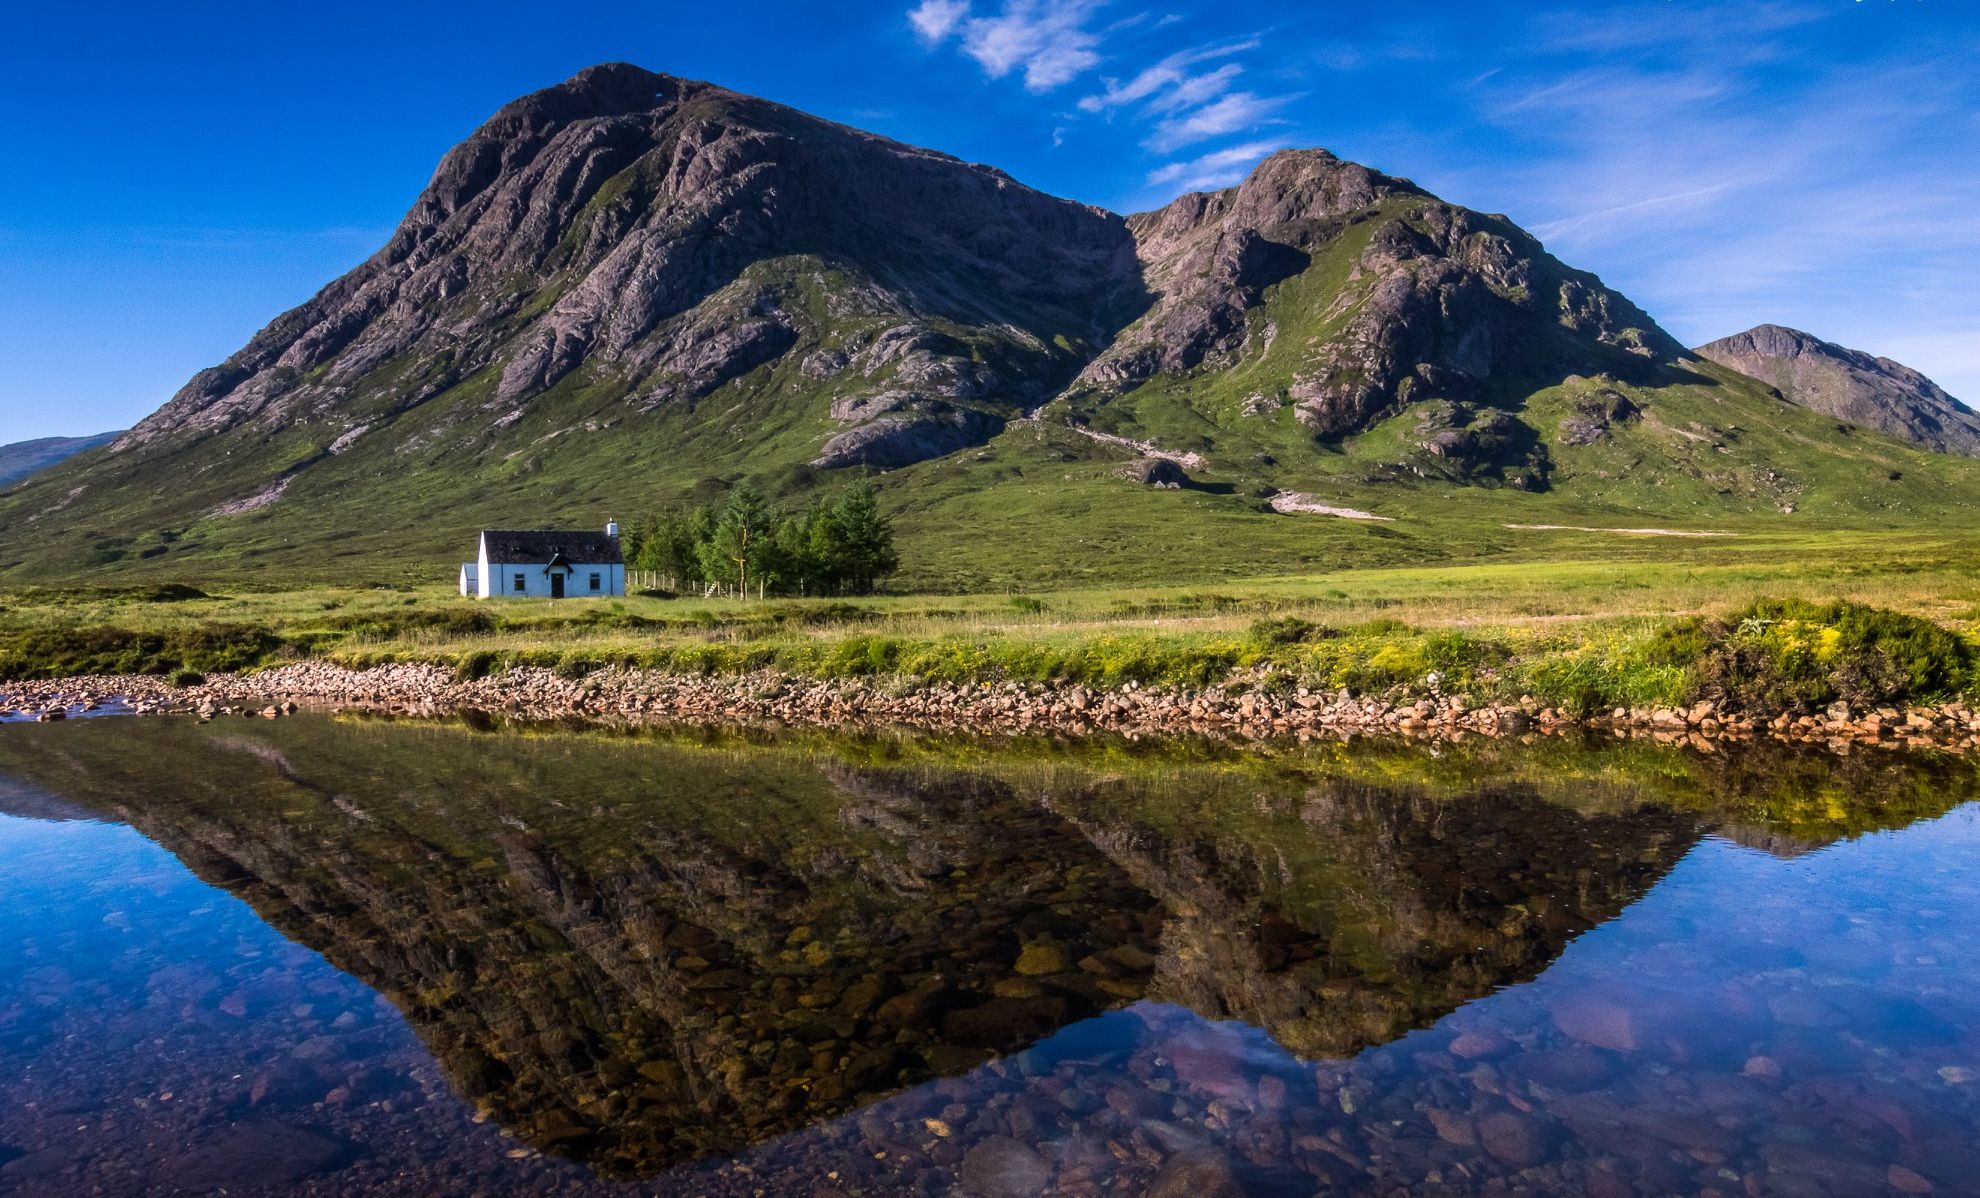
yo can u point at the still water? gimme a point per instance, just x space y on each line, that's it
320 956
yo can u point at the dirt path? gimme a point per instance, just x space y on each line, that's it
1299 501
1625 532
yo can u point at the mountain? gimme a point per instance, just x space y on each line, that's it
1344 295
1851 386
630 290
23 458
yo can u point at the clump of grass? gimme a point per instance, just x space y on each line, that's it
445 621
61 652
1618 670
477 664
1288 630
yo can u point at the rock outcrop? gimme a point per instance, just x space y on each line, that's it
1385 296
1852 386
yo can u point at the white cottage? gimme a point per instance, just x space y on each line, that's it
546 565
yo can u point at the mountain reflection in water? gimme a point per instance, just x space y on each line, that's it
809 966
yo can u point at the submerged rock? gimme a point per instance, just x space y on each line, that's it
1003 1168
259 1153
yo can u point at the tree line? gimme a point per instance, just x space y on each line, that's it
837 545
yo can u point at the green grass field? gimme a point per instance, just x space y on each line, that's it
1581 619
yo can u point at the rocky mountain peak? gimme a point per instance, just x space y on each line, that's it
662 237
1851 385
1404 297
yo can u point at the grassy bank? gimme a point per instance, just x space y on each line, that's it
1579 634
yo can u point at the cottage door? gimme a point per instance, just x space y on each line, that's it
556 586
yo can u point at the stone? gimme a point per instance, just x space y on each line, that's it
1207 1173
1003 1168
1137 1102
1155 472
1517 1139
258 1153
1570 1068
1041 958
1479 1046
1599 1018
1211 1060
1005 1023
1453 1127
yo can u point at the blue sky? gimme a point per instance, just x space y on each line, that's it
176 175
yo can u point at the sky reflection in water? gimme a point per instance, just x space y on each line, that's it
432 961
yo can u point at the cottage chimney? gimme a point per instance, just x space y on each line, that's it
612 529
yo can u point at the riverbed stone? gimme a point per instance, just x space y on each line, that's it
1513 1137
1041 958
258 1153
1206 1173
1599 1018
1003 1168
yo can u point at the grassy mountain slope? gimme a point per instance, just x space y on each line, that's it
631 290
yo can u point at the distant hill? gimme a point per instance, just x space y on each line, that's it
630 290
23 458
1852 386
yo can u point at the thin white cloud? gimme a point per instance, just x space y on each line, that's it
1835 198
935 20
1168 84
1047 39
1737 29
1185 97
1582 222
1238 112
1217 169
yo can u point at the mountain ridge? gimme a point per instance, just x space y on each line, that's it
1851 385
630 289
23 458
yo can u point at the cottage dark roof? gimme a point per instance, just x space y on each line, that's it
576 548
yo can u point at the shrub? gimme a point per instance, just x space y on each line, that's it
163 592
1792 655
575 665
478 664
1288 630
827 614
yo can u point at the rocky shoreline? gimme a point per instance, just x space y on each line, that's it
1245 708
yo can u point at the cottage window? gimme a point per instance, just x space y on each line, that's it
522 584
596 585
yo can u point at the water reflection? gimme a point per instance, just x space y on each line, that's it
920 967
